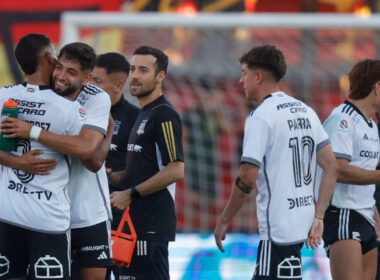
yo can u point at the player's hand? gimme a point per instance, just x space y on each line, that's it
15 128
108 171
315 234
115 177
30 163
121 199
220 234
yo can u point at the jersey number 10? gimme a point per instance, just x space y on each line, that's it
302 161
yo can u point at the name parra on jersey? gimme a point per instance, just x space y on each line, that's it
282 137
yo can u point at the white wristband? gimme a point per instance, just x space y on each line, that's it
34 133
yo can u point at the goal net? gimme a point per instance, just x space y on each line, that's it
203 83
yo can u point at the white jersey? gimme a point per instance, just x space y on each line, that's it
282 137
39 202
356 139
88 191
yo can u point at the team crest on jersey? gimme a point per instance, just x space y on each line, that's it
81 113
116 127
82 98
343 124
141 128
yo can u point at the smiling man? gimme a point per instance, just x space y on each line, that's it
88 190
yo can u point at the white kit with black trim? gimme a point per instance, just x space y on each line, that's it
282 137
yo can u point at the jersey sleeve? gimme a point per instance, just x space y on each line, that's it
321 137
340 130
75 119
168 134
97 113
256 138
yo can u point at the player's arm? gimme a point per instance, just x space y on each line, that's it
343 148
239 195
28 162
171 173
350 174
98 157
327 162
82 145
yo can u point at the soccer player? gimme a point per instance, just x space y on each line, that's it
154 164
110 74
283 141
34 209
349 236
88 190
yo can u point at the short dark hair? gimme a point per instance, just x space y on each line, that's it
113 62
267 57
28 50
162 59
362 76
80 52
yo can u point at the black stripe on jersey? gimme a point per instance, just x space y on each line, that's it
349 105
345 108
67 162
351 111
90 89
103 197
167 129
269 193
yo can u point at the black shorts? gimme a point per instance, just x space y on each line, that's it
46 254
92 246
150 260
341 224
277 261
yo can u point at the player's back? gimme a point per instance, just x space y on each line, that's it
88 191
41 199
287 174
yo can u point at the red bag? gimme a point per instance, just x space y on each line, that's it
123 244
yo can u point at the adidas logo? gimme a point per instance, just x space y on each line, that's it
103 256
365 136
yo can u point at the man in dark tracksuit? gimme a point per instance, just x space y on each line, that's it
154 164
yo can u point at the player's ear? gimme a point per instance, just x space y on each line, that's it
160 76
87 78
376 88
259 75
119 84
50 58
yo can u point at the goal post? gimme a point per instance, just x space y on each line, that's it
203 82
72 21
